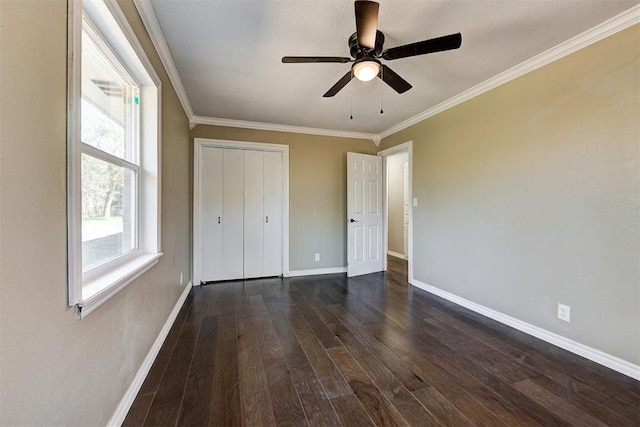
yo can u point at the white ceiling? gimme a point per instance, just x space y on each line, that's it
228 53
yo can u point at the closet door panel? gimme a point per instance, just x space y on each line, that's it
273 197
232 217
254 218
211 254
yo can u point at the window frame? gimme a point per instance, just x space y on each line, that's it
88 290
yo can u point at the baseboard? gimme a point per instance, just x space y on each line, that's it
127 400
617 364
397 255
316 271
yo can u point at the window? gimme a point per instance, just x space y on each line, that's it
113 155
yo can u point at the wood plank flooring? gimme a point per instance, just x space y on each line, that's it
370 350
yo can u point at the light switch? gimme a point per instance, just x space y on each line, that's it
415 202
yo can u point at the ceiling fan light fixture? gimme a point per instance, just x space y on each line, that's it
366 49
366 70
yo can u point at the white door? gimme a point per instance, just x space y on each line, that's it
221 213
273 213
253 213
405 176
232 224
240 216
211 214
364 214
263 193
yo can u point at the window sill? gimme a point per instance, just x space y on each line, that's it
99 290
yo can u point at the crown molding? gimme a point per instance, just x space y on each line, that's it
150 21
618 23
214 121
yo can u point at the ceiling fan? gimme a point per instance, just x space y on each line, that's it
365 46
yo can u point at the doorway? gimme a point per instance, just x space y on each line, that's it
398 202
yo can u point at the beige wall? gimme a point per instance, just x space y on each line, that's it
54 369
317 190
529 196
395 201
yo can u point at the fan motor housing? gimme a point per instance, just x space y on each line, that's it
358 51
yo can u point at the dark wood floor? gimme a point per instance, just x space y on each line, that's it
371 350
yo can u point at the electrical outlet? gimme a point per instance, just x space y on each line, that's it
415 202
317 258
564 312
180 279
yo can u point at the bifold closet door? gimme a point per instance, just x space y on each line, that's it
233 227
273 211
211 214
254 218
221 214
241 213
263 197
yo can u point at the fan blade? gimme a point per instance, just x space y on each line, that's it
452 41
339 85
310 59
396 82
366 22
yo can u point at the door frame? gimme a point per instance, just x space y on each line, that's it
406 147
201 143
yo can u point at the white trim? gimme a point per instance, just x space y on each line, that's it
199 144
405 146
240 145
114 281
115 29
408 148
385 211
317 271
74 96
150 20
108 157
397 255
141 55
127 400
597 33
213 121
195 240
598 356
285 214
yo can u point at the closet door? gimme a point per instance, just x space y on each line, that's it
241 214
273 199
232 215
254 218
211 214
221 216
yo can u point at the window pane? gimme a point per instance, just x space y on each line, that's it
108 211
109 102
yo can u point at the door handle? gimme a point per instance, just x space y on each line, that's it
353 220
218 220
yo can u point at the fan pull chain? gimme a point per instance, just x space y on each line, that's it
381 90
351 94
